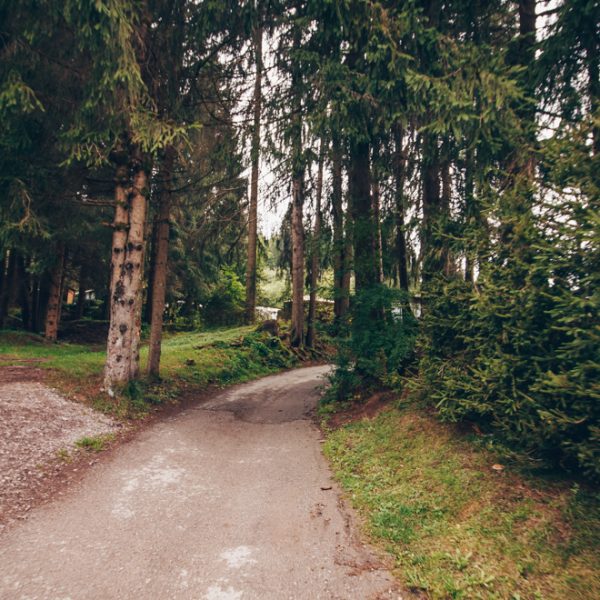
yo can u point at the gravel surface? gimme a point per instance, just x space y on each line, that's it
230 500
35 423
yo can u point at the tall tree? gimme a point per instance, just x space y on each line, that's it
340 258
315 254
399 177
298 169
255 160
122 355
159 279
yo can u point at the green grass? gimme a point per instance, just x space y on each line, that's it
77 361
455 527
216 357
95 443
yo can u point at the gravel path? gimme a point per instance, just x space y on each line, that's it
226 501
35 423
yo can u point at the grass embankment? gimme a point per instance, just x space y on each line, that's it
216 357
456 526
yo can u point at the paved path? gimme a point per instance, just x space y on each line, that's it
222 502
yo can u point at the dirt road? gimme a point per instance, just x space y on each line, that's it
230 500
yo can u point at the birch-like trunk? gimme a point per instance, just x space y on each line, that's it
122 356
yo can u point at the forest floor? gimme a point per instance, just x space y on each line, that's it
227 500
461 519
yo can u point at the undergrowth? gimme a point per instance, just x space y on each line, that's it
457 523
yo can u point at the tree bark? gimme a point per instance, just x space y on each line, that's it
253 205
122 356
375 198
365 264
159 278
348 265
446 257
55 294
297 324
135 249
315 257
337 211
24 292
399 176
81 292
430 239
471 211
151 268
8 267
41 302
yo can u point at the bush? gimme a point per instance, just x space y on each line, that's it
225 306
377 343
520 354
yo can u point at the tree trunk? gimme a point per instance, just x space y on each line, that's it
24 293
315 257
516 226
399 175
527 42
122 356
365 264
339 249
375 194
8 267
253 206
81 292
446 257
470 211
151 268
430 239
41 301
55 294
159 276
2 278
297 324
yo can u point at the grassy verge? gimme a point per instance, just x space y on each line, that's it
216 357
458 524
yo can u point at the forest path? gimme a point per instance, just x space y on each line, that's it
231 499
